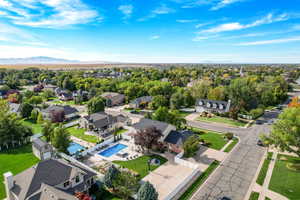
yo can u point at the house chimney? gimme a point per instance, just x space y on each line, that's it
9 184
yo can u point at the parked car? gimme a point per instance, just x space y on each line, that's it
259 122
224 198
260 143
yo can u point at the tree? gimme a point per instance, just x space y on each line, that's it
25 110
13 98
109 176
68 84
35 100
61 139
191 146
158 101
47 94
12 130
47 130
177 100
34 115
40 119
200 89
148 137
161 114
125 185
295 102
217 93
285 131
96 104
147 192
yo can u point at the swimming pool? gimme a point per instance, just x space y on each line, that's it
112 150
74 147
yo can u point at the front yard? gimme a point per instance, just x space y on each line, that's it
140 164
79 133
215 140
15 161
284 180
222 120
36 128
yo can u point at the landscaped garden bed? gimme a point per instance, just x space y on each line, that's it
15 160
286 181
140 164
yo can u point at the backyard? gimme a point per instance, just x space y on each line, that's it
79 133
222 120
284 180
140 164
120 131
36 128
16 161
215 140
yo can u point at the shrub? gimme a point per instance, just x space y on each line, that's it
256 113
229 136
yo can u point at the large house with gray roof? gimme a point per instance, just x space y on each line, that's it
52 179
42 149
206 105
60 113
113 98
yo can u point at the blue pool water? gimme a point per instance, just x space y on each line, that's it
74 147
112 150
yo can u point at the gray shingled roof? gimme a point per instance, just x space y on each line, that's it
147 123
67 109
51 172
178 137
39 144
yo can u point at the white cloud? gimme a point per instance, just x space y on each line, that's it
270 18
275 41
202 25
126 10
49 13
224 3
161 10
186 20
154 37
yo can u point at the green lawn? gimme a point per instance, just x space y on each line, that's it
231 145
199 181
285 181
215 139
183 114
264 169
36 128
254 196
15 161
57 101
140 164
267 198
79 133
223 120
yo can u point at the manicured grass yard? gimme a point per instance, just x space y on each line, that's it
264 169
140 164
285 181
231 145
36 128
215 139
183 114
254 196
79 133
223 120
199 181
15 161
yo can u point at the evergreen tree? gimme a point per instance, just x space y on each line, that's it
110 175
26 109
147 192
61 139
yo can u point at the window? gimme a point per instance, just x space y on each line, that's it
66 184
77 179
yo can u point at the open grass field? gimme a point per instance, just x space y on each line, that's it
286 181
79 133
264 169
36 128
222 120
199 181
140 164
215 139
15 161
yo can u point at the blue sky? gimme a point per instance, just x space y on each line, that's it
193 31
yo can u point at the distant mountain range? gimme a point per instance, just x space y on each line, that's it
37 60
